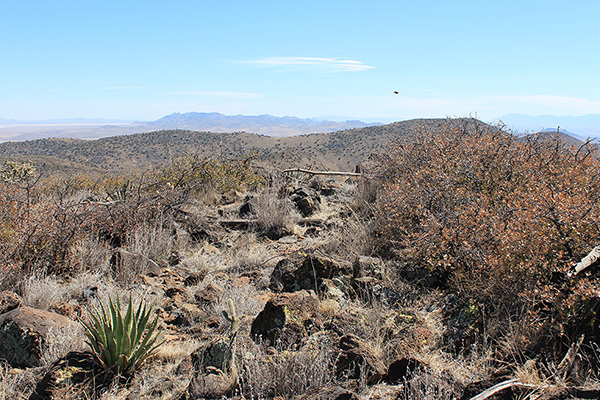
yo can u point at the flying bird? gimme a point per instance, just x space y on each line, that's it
395 92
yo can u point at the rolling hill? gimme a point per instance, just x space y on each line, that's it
340 150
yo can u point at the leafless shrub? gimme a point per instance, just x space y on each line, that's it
151 241
272 212
91 255
347 238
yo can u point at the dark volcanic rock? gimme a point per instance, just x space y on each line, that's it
24 331
75 369
287 318
357 357
309 276
9 301
401 369
332 392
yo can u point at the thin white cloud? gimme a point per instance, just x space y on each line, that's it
123 87
223 94
312 63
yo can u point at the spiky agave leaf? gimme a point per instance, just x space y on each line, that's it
122 344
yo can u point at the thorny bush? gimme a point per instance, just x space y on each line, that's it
500 214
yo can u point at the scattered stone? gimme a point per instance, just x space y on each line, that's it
367 266
184 315
215 373
175 292
195 278
402 369
330 188
9 301
24 331
278 232
283 277
356 358
328 289
77 371
210 249
435 278
307 206
174 259
291 239
306 201
331 392
90 292
287 318
211 294
287 277
230 197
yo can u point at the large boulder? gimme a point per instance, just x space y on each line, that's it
309 275
25 331
287 319
75 370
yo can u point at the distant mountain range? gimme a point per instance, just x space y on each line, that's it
580 127
82 128
583 126
262 124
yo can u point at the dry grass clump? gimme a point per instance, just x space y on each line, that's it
264 374
15 384
41 291
272 212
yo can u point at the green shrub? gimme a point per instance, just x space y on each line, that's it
121 345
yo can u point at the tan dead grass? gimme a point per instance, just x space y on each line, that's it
15 384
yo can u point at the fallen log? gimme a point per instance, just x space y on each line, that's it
336 173
587 261
500 387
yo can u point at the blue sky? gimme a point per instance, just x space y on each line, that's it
146 59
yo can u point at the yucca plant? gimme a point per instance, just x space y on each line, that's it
121 345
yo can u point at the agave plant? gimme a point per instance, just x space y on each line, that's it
121 345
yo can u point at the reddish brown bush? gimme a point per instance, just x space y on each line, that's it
498 212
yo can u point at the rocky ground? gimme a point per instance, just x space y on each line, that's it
319 317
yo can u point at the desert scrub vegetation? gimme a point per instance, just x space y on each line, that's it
440 272
501 219
44 218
